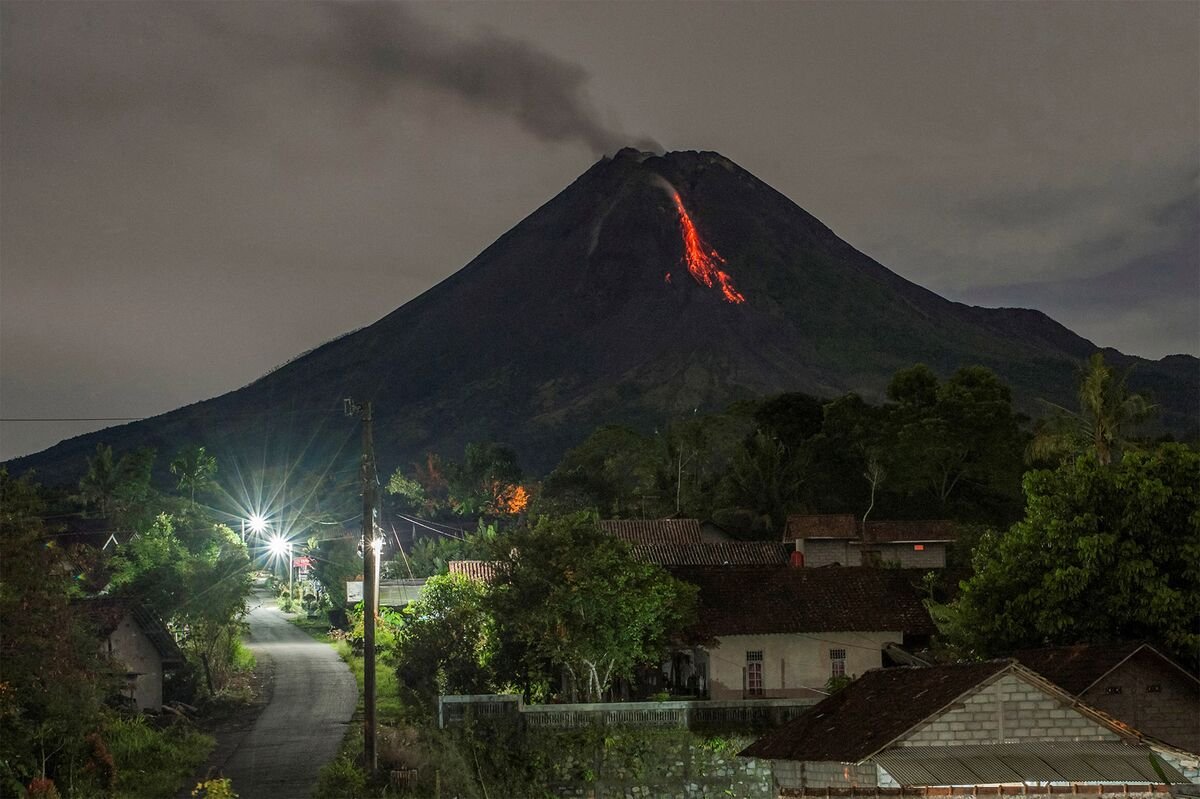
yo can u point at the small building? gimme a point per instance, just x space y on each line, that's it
1132 682
842 540
975 724
138 641
784 632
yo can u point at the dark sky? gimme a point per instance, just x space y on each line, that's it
192 193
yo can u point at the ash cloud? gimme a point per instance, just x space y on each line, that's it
382 46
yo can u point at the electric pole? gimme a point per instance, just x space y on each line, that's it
370 577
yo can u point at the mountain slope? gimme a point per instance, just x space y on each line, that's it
586 312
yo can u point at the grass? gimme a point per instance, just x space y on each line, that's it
153 763
388 707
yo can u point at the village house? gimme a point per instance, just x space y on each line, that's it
843 540
975 724
482 570
785 632
139 642
1132 682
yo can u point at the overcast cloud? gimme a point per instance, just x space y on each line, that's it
192 193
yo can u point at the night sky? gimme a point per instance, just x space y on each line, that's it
191 193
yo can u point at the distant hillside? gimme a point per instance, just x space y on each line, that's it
595 309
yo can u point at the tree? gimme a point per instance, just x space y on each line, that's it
443 642
1103 553
217 582
567 596
1107 410
767 477
612 471
195 469
119 489
52 681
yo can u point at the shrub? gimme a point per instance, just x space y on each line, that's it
341 779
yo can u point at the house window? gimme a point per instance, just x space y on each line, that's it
837 662
918 547
754 673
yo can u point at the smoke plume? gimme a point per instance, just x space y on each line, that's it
383 45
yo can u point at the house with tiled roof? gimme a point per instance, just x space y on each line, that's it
784 632
843 540
1132 682
138 642
654 531
973 724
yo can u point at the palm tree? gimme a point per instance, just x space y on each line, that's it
1107 409
195 468
98 486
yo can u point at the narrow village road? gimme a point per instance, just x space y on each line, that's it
313 698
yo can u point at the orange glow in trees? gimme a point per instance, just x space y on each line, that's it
703 261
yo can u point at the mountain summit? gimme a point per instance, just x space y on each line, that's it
651 286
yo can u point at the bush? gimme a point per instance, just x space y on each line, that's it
341 779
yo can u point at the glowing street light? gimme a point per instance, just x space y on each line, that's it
279 546
256 523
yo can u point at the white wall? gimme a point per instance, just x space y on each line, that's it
130 646
792 663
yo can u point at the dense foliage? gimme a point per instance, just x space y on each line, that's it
60 704
1104 553
936 449
565 597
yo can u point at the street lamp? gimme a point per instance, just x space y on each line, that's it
278 546
256 523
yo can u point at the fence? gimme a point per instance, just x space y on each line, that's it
748 714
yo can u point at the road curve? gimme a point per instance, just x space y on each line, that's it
312 700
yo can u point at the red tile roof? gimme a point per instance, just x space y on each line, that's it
750 601
482 570
728 553
829 525
872 712
654 531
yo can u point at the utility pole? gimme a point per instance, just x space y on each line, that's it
370 577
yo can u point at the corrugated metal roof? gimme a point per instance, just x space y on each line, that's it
989 764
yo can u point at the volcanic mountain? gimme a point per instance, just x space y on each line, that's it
649 287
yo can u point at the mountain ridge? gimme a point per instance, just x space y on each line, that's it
569 320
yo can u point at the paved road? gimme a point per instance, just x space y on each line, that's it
312 700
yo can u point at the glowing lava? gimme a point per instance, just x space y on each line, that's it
703 261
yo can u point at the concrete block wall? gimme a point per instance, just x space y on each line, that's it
1008 710
1153 697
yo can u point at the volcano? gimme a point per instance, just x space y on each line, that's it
650 287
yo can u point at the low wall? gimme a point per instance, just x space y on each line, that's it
700 715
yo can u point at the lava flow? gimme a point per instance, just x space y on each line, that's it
702 260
